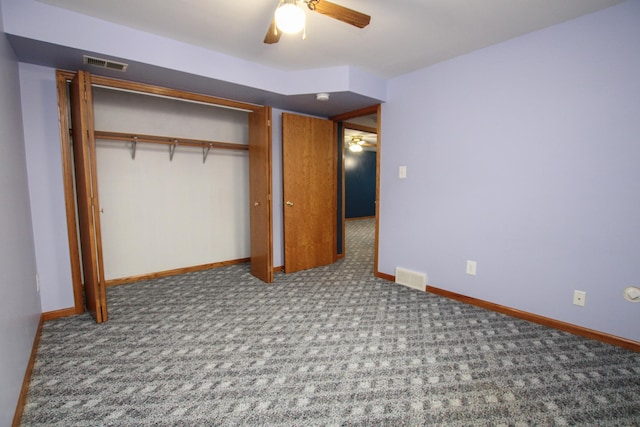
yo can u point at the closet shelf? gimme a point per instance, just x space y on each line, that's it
172 142
167 140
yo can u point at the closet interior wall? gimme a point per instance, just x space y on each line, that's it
160 214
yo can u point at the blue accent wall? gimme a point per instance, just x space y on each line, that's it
360 184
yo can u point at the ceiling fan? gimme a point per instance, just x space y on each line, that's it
323 7
356 141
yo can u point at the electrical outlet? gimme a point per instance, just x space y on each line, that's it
471 267
579 298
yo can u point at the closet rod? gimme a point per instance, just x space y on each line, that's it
119 136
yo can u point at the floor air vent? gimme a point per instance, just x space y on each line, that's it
105 63
412 279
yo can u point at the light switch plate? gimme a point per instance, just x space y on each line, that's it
402 172
471 267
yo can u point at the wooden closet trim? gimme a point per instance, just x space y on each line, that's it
62 78
171 93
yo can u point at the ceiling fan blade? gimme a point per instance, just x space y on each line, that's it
273 35
341 13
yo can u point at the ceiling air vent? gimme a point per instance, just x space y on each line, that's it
104 63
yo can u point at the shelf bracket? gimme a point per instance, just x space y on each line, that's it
132 147
172 149
205 152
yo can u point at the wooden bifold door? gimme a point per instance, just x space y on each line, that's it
260 194
84 152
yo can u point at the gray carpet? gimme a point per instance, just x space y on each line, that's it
330 346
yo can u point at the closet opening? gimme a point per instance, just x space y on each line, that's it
167 186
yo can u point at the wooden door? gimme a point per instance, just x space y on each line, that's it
309 157
260 194
87 195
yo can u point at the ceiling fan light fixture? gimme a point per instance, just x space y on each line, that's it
289 17
355 148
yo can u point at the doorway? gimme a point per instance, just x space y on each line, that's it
359 128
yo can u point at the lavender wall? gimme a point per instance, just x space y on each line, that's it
523 157
19 300
46 187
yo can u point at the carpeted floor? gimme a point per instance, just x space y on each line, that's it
330 346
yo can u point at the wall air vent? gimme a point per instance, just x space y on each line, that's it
105 63
412 279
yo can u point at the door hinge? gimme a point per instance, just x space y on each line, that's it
269 123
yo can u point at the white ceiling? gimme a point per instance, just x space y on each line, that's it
404 35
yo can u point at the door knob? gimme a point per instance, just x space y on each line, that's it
289 203
256 204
